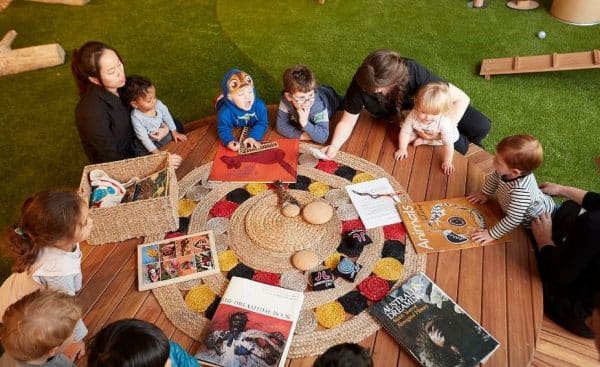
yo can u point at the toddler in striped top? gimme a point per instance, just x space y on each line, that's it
515 186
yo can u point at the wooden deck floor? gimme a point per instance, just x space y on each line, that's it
110 293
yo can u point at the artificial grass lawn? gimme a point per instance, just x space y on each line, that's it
186 46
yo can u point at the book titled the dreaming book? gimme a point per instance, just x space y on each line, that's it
252 326
432 327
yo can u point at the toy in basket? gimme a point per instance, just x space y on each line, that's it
148 214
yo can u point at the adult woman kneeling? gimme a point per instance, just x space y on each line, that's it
385 85
569 257
103 120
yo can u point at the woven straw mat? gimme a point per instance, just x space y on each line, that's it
271 250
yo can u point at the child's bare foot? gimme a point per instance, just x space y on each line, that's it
418 141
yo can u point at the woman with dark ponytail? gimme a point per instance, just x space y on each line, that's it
385 85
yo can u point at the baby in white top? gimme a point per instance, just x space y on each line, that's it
427 124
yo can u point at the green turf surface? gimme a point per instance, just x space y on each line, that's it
186 46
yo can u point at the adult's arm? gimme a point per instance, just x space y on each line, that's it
459 103
342 132
568 192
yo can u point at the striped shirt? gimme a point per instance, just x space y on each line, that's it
520 199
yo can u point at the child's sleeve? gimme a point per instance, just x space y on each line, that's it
520 200
283 124
407 126
179 357
225 127
491 184
167 117
318 128
449 131
257 132
141 133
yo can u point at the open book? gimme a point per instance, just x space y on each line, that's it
432 327
252 326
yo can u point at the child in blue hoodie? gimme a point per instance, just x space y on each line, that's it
239 107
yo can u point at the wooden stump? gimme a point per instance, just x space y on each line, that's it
28 58
65 2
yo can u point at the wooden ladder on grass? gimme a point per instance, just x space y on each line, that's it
540 63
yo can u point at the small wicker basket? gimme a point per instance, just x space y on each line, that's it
137 218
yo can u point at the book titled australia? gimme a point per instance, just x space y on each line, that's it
252 326
432 327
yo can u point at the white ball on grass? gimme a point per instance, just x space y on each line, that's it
541 35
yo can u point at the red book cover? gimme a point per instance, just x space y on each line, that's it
280 163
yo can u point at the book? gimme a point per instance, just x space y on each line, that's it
176 260
280 163
447 224
252 326
374 201
153 186
432 327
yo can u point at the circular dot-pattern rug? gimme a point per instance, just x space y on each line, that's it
241 230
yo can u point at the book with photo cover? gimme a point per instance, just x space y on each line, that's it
176 260
432 327
280 163
153 186
252 326
447 224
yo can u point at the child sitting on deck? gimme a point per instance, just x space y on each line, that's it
238 107
45 249
305 108
427 124
132 342
513 182
152 122
37 328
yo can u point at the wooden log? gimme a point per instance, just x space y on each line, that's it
65 2
28 58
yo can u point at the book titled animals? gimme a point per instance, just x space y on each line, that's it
176 259
432 327
252 326
279 163
447 224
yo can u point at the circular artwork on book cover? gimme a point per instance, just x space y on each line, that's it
354 267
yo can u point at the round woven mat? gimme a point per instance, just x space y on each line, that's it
245 232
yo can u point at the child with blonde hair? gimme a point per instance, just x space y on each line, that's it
36 329
515 186
44 247
427 123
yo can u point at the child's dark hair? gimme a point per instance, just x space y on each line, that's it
46 217
345 355
298 78
128 343
85 63
135 87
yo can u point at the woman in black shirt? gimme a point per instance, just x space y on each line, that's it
385 84
569 257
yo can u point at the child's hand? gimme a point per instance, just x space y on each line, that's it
175 160
448 167
233 145
400 154
251 143
482 236
303 116
178 137
330 150
477 198
160 133
428 136
74 351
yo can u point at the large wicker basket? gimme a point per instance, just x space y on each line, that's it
137 218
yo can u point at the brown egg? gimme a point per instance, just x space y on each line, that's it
305 259
290 210
317 212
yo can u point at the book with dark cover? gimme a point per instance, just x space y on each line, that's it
252 326
432 327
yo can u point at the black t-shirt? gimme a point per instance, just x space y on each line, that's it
356 98
104 126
